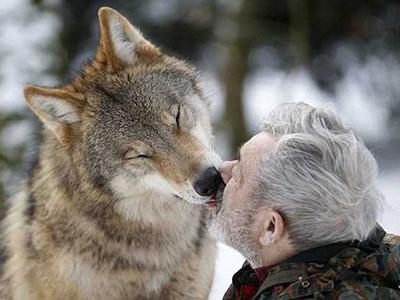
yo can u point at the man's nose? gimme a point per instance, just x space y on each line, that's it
208 182
225 170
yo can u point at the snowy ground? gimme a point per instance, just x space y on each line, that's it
229 261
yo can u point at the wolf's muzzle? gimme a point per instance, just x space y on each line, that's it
208 182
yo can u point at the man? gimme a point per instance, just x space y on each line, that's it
301 204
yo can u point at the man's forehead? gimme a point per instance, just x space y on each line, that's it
260 143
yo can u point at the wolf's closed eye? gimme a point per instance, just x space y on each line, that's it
132 154
178 114
141 156
139 152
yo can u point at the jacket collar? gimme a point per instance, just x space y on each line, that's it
322 254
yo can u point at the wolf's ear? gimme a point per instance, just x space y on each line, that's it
56 108
120 40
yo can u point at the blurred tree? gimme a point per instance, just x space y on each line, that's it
15 121
10 161
299 30
234 72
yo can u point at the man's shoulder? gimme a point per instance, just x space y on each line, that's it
350 274
298 283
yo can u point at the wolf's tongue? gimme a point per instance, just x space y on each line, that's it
212 202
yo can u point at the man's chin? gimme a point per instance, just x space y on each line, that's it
215 229
218 224
240 241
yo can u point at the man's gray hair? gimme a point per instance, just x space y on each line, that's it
321 177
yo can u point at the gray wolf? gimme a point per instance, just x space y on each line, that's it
110 209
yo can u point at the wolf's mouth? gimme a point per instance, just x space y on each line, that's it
215 201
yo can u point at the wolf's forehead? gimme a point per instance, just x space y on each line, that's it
140 105
150 88
147 91
168 83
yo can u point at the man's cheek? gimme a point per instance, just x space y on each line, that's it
228 192
231 199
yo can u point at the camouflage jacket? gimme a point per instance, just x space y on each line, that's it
354 270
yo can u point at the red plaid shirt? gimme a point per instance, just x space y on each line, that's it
246 282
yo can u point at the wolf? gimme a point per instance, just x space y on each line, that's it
110 209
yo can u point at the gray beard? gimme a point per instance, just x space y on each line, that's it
233 229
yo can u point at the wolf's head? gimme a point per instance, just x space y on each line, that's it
135 119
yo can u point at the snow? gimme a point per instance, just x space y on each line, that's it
359 104
228 262
25 36
389 183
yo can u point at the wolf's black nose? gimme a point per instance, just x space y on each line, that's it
208 182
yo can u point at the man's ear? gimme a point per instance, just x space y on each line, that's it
120 41
56 108
274 228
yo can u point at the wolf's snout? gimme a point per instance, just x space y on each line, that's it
208 182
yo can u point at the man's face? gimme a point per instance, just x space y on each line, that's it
233 222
